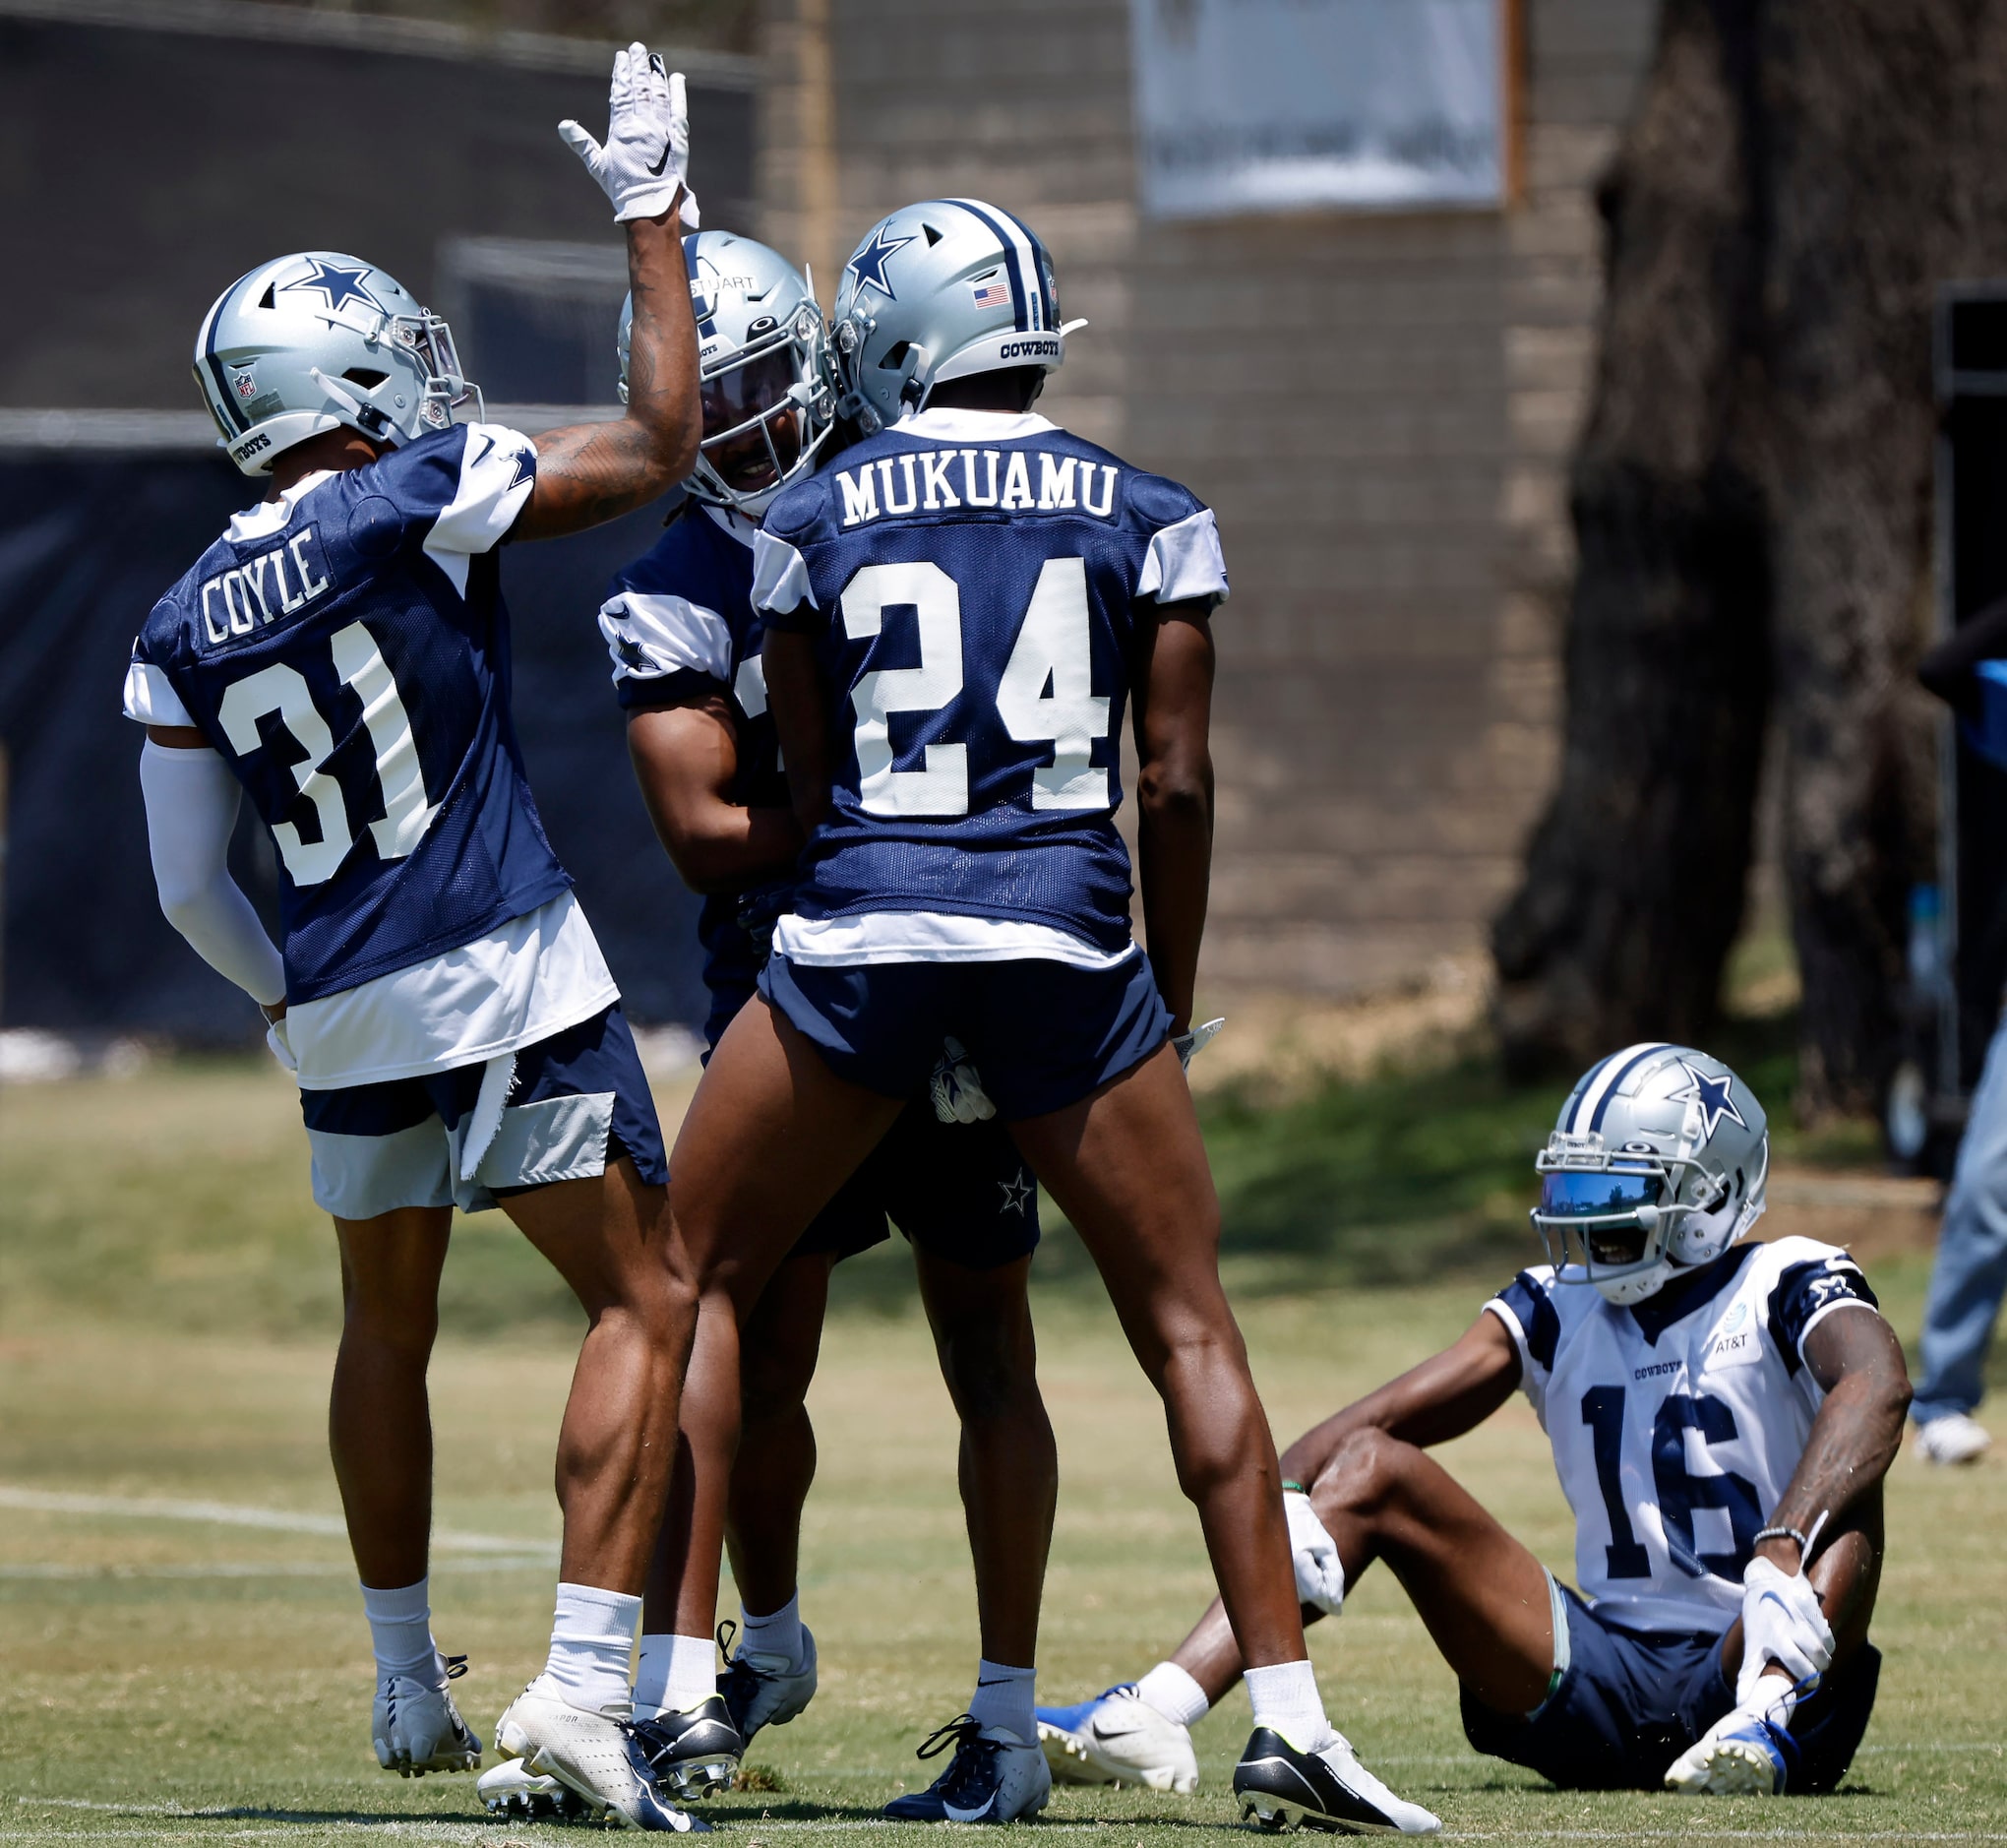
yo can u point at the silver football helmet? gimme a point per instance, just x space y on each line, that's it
937 291
769 393
1657 1164
315 341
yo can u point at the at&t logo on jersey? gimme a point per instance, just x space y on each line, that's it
243 600
940 480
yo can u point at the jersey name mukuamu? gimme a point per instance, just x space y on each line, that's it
1675 1430
970 581
680 621
346 649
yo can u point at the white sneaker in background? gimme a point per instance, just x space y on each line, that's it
1118 1738
1953 1439
416 1728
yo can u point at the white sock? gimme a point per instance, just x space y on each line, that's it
592 1642
1004 1699
1287 1702
1775 1699
1167 1690
674 1674
778 1635
401 1633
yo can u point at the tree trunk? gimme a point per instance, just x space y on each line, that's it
1634 880
1849 158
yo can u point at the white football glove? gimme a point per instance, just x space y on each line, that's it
957 1087
1781 1623
646 152
1319 1578
1187 1046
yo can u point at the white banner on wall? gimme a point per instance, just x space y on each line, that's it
1274 106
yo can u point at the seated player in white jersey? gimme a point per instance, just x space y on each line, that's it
685 642
958 611
341 656
1721 1426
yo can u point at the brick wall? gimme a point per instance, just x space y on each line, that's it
1378 408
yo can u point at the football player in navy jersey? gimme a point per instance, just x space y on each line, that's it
341 656
959 611
1721 1427
685 643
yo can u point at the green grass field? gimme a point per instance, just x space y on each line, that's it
166 1318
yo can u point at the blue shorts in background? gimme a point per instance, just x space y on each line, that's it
958 1191
1042 1034
1630 1703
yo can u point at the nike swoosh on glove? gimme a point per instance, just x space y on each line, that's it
1781 1623
644 160
1319 1577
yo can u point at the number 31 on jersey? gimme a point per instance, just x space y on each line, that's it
1053 649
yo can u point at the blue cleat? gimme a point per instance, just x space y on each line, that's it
1741 1754
994 1777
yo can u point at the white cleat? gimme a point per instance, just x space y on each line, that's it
1952 1438
593 1754
1118 1738
416 1728
1741 1754
513 1791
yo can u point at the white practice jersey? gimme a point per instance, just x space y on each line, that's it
1675 1428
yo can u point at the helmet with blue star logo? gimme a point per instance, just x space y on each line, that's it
762 354
937 291
1656 1165
318 340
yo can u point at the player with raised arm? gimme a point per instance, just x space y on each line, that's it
958 612
341 656
1719 1428
685 643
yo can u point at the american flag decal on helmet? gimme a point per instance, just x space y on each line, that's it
992 294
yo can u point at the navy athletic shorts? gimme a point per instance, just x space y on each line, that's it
575 1101
1042 1034
958 1191
1630 1703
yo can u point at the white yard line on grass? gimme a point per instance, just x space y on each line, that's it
232 1514
255 1569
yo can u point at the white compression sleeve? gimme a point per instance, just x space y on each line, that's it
191 813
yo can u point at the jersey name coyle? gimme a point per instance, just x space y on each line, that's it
944 480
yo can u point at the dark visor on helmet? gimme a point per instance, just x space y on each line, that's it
751 428
1582 1193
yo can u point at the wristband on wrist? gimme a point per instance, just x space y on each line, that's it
1784 1533
1288 1486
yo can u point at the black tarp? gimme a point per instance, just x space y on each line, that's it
87 543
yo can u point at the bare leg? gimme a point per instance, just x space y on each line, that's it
769 1139
378 1418
1009 1464
1126 1166
755 1510
611 1239
1482 1595
777 1358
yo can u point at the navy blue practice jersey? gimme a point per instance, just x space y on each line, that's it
971 583
346 649
679 621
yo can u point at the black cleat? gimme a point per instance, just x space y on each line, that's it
696 1753
1282 1788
